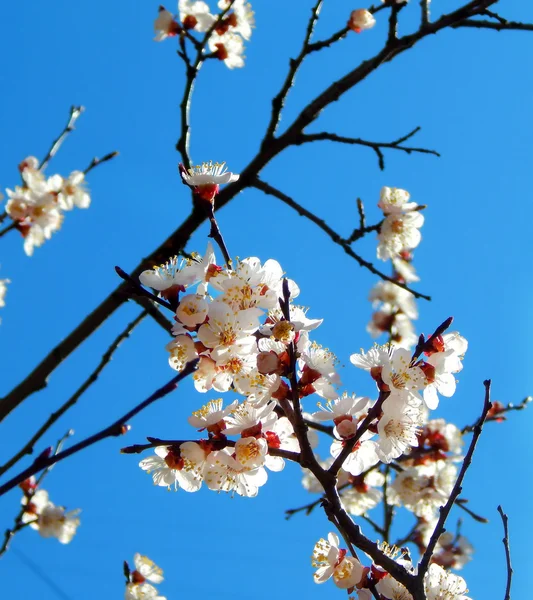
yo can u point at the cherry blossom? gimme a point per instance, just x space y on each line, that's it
195 15
395 200
145 571
48 519
331 561
165 25
205 179
179 467
360 20
399 232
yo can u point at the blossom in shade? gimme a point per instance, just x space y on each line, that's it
360 20
165 25
332 561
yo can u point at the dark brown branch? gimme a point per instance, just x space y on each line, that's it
155 442
119 427
339 35
98 161
278 102
192 69
457 488
138 289
8 228
461 503
3 216
424 12
9 534
75 112
269 189
376 146
106 358
505 520
498 26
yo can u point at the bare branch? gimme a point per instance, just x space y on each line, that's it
119 427
268 189
499 26
75 112
424 8
497 412
8 228
278 101
98 161
106 358
505 520
376 146
445 510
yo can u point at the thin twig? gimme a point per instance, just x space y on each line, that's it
498 415
424 8
75 112
137 288
98 161
457 488
106 358
508 25
461 503
7 229
505 520
119 427
9 534
269 189
376 146
278 102
3 216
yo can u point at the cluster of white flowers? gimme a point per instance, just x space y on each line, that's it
394 307
332 561
44 516
138 586
230 28
39 204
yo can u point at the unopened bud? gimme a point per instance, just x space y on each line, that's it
360 20
268 363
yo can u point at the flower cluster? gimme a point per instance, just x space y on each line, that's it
348 573
228 29
139 581
226 465
395 307
44 516
39 204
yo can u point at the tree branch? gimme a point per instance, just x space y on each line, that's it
98 161
106 358
445 510
505 541
119 427
75 112
268 189
376 146
498 26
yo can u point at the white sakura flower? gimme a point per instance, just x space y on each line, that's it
138 588
298 316
360 20
331 561
452 552
400 375
443 585
399 232
182 350
73 192
362 457
53 521
422 489
280 436
228 333
251 452
397 428
443 436
35 504
395 201
165 26
192 310
224 473
167 276
210 416
389 588
244 17
195 15
404 269
363 494
181 467
3 290
345 413
249 419
228 47
208 174
393 296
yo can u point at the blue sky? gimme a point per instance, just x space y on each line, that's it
471 93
